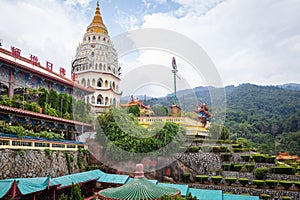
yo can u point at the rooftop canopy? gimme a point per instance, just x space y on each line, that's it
138 188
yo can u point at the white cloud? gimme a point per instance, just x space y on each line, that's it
249 41
48 29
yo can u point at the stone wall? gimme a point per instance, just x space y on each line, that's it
33 163
274 194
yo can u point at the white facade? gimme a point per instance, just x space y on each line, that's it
96 66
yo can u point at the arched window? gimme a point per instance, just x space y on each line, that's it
104 67
114 86
99 38
88 83
100 82
93 100
89 38
100 66
114 102
94 38
106 101
106 83
96 66
100 99
83 82
93 82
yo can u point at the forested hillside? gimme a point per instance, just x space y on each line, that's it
262 114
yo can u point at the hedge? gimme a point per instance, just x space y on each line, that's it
286 184
226 156
258 183
260 173
219 149
270 159
236 146
286 198
283 170
216 179
201 178
250 167
186 178
226 167
237 167
243 181
271 183
194 149
230 180
246 158
264 196
259 158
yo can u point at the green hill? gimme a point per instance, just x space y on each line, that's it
261 114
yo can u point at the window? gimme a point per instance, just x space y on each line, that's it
106 101
93 100
100 82
100 99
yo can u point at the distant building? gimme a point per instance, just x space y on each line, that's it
96 66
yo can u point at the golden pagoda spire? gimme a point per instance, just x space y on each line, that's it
97 24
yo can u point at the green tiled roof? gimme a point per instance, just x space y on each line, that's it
151 180
113 178
138 188
24 185
65 181
183 188
206 194
239 197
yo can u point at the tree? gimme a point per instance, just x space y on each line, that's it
76 192
134 110
160 110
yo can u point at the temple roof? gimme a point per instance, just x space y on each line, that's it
138 188
97 25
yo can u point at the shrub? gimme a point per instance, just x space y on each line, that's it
283 170
240 150
219 149
230 180
194 149
258 183
259 158
226 167
243 181
237 167
226 156
264 196
216 179
260 173
286 184
236 146
246 158
48 152
270 159
250 167
201 178
186 178
286 198
272 183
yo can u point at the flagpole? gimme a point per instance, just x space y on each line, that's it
175 97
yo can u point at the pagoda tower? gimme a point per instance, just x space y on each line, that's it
96 66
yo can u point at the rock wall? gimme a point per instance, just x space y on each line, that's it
274 194
34 163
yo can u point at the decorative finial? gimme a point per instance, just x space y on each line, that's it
139 171
97 3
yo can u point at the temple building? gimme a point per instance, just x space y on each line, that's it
96 66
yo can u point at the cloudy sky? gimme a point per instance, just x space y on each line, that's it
255 41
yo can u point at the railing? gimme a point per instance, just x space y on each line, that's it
193 127
9 141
